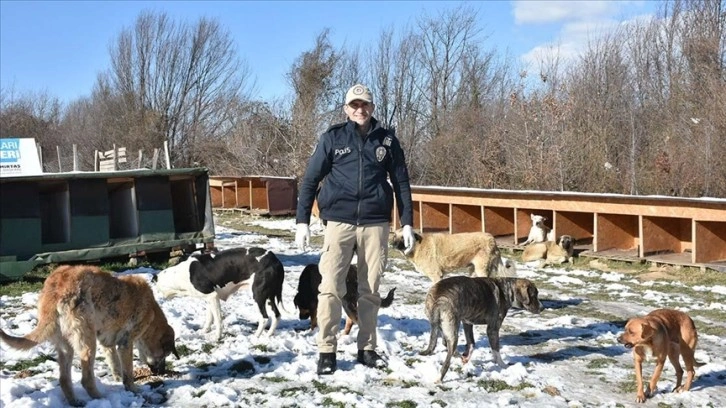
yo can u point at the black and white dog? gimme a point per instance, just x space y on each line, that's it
217 276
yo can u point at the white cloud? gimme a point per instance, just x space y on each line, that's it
526 12
580 23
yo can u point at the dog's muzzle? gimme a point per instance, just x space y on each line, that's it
158 367
627 344
398 244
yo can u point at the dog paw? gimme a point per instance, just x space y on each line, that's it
640 398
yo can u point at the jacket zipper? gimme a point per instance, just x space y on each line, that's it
361 142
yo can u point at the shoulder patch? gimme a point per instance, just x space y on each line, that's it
336 126
387 141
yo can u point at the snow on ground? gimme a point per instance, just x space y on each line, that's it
567 356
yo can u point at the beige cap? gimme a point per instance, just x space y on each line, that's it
359 92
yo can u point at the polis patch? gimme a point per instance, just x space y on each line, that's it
380 153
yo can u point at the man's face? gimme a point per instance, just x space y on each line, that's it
359 111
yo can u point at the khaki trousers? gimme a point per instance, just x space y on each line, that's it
371 245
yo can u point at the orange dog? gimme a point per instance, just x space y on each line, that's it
667 333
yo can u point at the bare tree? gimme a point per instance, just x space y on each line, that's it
316 97
33 115
177 81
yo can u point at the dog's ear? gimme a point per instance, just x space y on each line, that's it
647 331
155 277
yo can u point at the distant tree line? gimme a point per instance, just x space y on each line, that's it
641 111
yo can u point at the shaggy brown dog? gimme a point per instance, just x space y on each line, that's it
458 299
306 299
550 252
667 333
81 305
434 255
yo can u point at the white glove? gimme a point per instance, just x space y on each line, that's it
302 236
408 239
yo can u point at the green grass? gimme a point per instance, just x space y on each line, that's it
324 388
289 392
261 347
401 404
499 385
33 280
30 282
329 402
596 363
27 364
183 350
276 379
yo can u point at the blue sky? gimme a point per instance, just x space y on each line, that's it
59 47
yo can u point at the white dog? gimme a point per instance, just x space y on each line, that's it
539 232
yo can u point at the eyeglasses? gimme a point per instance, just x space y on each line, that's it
357 105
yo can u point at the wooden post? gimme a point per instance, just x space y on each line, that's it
60 167
141 157
40 156
115 157
95 161
75 157
166 152
155 160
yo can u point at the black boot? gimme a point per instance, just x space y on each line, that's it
327 364
370 358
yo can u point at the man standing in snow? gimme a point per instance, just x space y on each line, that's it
355 160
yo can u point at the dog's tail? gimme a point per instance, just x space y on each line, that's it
388 300
277 298
30 340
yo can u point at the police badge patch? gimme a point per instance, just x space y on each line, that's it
387 141
380 153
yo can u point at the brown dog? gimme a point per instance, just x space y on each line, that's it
434 255
667 333
458 299
81 305
306 299
550 252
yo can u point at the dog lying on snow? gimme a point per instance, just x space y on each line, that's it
539 232
306 299
667 333
217 277
458 299
550 252
81 305
434 255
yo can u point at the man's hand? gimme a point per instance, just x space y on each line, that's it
302 236
409 241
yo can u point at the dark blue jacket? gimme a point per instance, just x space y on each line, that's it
355 172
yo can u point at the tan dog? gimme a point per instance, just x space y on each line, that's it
550 252
81 305
437 254
667 333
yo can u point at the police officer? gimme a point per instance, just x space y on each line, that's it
354 160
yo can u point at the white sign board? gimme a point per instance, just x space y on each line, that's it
19 157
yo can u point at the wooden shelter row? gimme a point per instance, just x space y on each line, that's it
261 194
659 229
